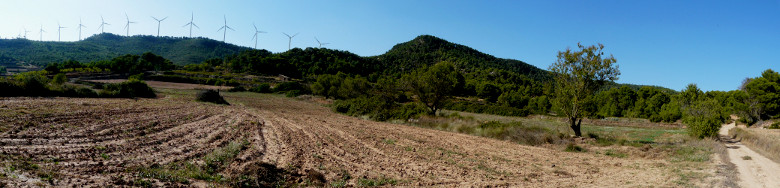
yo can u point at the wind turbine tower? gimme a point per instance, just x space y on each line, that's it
102 24
192 17
225 27
81 26
321 43
158 24
41 32
127 26
289 43
256 32
59 28
25 32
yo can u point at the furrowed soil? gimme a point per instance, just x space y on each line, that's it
72 142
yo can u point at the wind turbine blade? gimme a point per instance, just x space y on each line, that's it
196 26
253 25
230 28
296 34
286 34
164 18
185 25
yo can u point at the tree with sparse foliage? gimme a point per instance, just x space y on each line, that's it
578 75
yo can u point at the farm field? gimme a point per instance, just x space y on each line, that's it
270 140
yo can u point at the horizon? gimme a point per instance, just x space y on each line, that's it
669 44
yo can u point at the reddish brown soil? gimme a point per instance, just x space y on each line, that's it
298 136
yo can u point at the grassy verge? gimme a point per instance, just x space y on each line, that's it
766 142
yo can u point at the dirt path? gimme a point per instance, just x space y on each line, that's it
754 169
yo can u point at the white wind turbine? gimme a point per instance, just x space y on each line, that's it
321 43
158 24
225 27
289 42
102 24
127 26
41 32
255 36
59 27
81 26
191 24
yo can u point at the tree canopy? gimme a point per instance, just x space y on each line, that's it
578 75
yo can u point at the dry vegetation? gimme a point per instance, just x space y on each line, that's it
269 140
764 141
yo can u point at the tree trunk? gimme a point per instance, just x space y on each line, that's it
575 126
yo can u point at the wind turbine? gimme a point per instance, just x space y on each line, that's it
25 32
321 43
192 17
81 26
127 26
256 32
226 27
102 24
290 41
59 27
42 31
158 24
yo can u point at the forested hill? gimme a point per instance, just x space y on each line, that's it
180 50
428 50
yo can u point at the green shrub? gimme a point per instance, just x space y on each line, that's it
211 96
128 89
378 108
262 88
775 125
293 93
571 147
486 109
290 86
704 118
237 89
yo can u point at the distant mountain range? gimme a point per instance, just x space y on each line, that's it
179 50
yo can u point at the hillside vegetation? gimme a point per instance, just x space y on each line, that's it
180 50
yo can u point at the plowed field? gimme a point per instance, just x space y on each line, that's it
102 142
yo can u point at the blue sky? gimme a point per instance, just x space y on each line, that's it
715 44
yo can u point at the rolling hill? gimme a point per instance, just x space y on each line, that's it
179 50
428 50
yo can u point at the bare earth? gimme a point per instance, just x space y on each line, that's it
69 136
757 171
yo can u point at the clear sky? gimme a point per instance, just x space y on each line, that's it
715 44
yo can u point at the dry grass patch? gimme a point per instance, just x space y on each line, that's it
764 141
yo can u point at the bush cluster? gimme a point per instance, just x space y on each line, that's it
378 109
129 89
211 96
486 109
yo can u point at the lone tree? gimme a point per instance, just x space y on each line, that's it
578 75
433 85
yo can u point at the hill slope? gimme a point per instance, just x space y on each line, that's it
428 50
180 51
